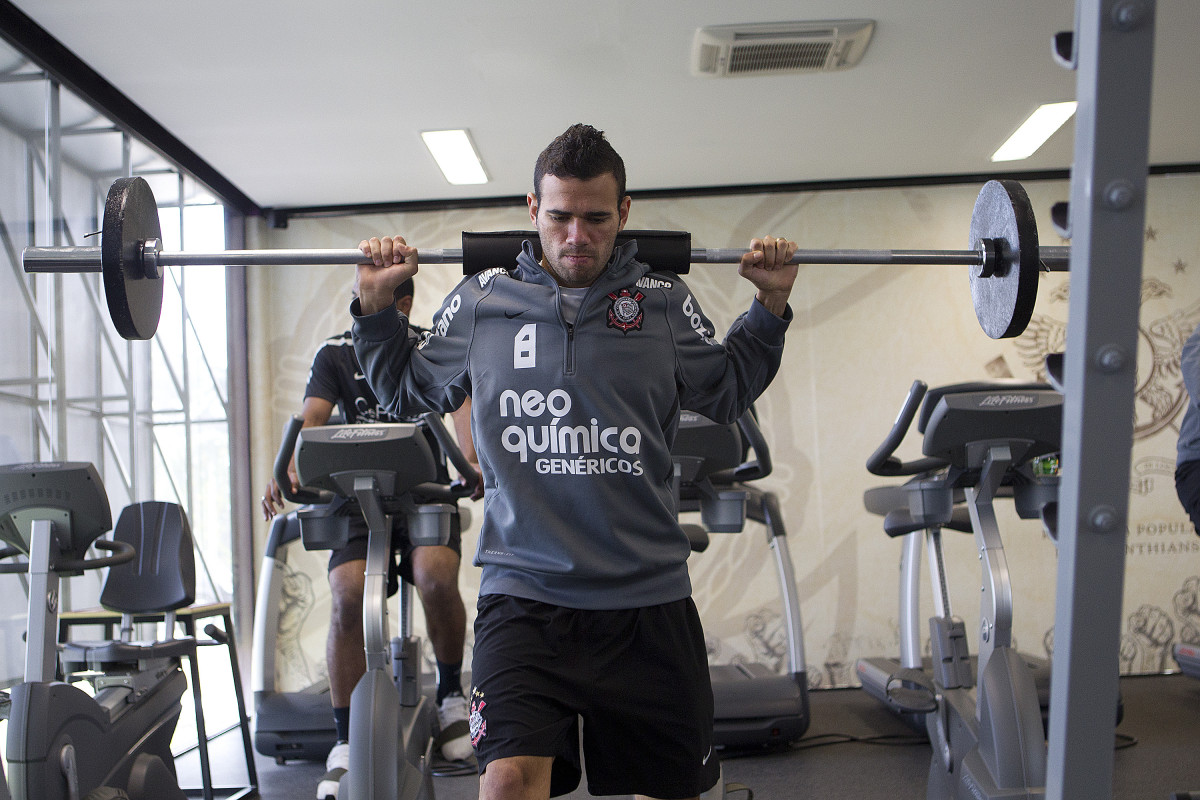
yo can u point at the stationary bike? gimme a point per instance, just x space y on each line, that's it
379 471
64 744
981 441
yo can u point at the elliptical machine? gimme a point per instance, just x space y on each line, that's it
62 743
981 441
380 470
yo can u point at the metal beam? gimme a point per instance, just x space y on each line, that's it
1113 56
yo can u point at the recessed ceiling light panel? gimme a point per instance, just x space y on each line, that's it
456 156
1034 131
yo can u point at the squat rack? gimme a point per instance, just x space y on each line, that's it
1112 51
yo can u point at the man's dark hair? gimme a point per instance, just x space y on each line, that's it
579 152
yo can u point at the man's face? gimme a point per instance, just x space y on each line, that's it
578 222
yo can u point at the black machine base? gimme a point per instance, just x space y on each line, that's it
294 726
757 708
1187 656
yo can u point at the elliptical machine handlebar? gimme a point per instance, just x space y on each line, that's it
287 447
122 552
437 427
882 461
760 467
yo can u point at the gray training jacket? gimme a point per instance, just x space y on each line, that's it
573 423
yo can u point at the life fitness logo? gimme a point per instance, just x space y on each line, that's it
564 449
358 433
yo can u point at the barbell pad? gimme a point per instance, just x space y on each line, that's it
669 251
130 218
1004 301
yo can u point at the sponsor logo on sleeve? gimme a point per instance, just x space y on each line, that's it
442 323
692 312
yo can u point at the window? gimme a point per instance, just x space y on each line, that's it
153 416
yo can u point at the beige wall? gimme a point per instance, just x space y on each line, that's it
860 337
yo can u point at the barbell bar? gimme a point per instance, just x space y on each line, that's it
89 259
1004 261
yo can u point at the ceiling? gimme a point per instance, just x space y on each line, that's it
301 103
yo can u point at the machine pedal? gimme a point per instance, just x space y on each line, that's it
911 691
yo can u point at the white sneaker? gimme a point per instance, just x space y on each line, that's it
455 736
336 765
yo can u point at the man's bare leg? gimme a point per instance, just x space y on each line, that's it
435 572
344 655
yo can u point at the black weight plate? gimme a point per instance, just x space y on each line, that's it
1004 301
130 218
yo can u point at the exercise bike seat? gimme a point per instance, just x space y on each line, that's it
161 578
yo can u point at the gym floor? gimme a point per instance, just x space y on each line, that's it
853 748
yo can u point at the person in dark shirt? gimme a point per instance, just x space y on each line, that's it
336 381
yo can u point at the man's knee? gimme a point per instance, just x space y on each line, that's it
346 582
517 777
435 573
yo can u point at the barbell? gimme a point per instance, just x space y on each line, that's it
1004 258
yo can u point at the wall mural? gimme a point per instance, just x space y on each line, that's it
294 667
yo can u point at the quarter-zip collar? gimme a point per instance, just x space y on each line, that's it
622 266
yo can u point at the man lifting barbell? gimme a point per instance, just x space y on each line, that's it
585 607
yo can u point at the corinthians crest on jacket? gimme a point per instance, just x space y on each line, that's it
625 310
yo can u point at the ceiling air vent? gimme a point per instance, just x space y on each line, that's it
772 48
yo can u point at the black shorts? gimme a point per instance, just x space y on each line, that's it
1187 486
356 548
638 678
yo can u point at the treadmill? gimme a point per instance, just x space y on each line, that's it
754 706
294 725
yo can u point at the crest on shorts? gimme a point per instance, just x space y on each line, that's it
477 722
625 312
